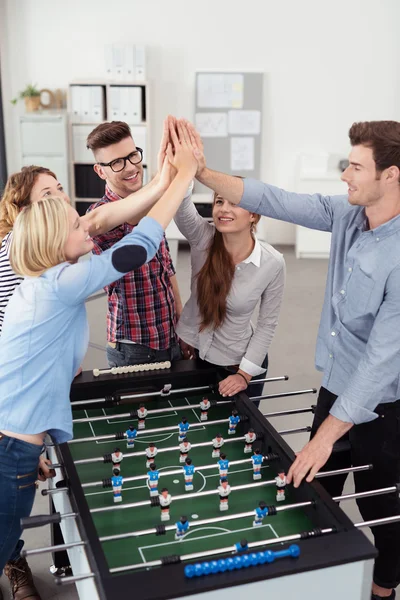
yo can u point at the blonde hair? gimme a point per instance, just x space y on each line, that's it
16 195
39 236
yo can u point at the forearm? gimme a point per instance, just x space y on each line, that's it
164 210
227 186
127 210
177 296
332 429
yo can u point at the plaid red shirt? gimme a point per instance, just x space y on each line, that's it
141 305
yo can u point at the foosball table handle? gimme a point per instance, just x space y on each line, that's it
40 520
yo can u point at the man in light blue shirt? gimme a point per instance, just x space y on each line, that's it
358 345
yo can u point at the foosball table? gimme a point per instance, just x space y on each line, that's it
169 489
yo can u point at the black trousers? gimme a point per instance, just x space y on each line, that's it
376 443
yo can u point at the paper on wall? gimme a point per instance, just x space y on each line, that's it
242 154
219 90
212 124
244 122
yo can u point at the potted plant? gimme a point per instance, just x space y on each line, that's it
31 95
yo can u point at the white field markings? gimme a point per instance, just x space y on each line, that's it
162 416
203 537
144 439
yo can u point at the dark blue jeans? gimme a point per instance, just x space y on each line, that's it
18 474
136 354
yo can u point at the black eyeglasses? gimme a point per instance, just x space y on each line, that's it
118 164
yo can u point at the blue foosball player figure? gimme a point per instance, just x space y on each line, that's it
131 434
188 470
242 546
260 512
182 526
153 477
257 460
223 465
117 481
233 421
183 429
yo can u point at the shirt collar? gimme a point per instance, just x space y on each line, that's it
111 195
255 256
383 230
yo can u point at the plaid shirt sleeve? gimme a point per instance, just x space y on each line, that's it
167 260
106 240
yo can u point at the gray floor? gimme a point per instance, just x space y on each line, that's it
292 354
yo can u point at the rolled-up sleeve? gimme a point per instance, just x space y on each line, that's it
309 210
379 366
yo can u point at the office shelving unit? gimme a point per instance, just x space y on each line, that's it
91 103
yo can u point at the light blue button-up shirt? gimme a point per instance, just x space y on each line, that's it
45 337
358 345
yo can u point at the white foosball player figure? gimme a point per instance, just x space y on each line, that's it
204 406
280 481
165 501
217 443
224 490
250 437
151 452
184 449
116 459
142 414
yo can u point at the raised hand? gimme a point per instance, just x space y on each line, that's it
180 153
197 145
163 146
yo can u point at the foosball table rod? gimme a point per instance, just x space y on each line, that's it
107 482
107 457
168 390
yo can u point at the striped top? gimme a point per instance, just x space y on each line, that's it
8 279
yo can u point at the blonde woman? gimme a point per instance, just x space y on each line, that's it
45 329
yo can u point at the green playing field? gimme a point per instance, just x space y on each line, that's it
132 550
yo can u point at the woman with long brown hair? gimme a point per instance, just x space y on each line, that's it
232 272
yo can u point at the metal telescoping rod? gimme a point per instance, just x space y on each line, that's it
172 391
52 491
182 497
293 411
376 522
173 472
74 578
139 533
84 461
284 394
367 494
150 412
196 555
147 431
55 548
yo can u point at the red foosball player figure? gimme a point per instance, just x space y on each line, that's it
116 458
151 452
224 490
280 486
217 443
250 437
142 414
205 406
184 449
165 501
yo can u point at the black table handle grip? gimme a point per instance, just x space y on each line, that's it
40 520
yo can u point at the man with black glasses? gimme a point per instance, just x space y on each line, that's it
145 304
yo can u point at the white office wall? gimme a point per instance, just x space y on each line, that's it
327 63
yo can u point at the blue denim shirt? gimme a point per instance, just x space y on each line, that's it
45 337
358 345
